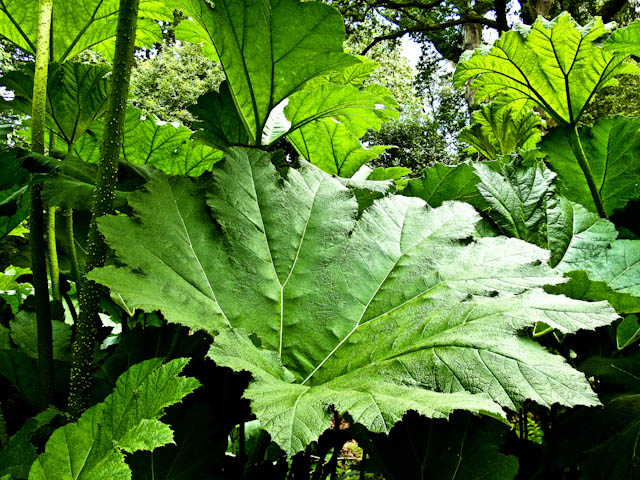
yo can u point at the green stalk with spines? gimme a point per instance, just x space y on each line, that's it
36 217
104 194
583 162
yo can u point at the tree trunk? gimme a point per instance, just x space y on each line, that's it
36 216
471 38
500 6
104 193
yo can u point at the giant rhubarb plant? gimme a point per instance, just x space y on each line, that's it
374 315
558 66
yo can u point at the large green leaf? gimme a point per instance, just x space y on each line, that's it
522 202
612 147
127 421
218 121
150 142
502 128
554 64
332 147
517 198
267 56
625 41
78 25
76 96
617 266
377 314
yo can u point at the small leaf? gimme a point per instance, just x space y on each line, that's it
92 448
628 331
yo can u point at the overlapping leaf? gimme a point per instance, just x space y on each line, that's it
441 183
127 421
76 97
80 25
553 63
296 52
377 314
502 128
148 142
612 147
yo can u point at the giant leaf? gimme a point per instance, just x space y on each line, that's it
150 142
376 314
612 148
78 25
266 56
554 64
127 421
76 96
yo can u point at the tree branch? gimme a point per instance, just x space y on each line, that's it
431 28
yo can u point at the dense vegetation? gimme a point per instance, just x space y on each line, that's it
239 294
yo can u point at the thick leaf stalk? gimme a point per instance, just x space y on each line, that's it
576 146
36 222
104 195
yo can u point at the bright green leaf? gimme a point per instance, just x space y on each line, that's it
79 25
266 56
612 147
444 182
128 420
553 63
150 142
350 309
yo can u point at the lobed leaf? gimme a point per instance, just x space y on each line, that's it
127 421
349 308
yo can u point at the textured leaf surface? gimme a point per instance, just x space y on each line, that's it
502 128
78 25
444 182
625 41
612 147
92 448
76 97
349 310
332 147
266 56
516 198
148 142
553 63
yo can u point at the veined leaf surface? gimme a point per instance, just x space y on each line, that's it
349 310
127 421
79 25
265 55
553 63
